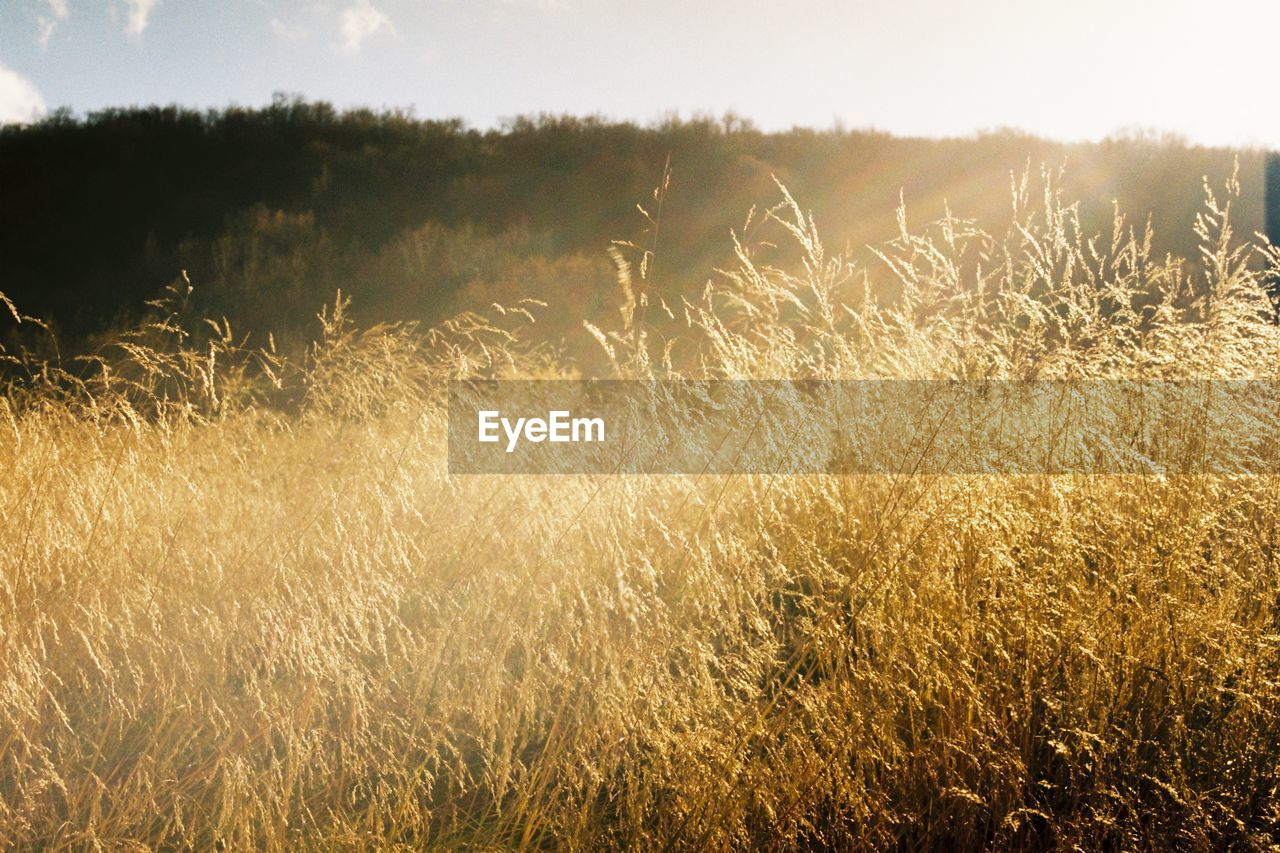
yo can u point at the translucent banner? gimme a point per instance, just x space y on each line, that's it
864 427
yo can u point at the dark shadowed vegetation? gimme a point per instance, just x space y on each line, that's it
272 210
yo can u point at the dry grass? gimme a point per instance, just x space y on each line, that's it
243 604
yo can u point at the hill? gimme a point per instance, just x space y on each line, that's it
271 210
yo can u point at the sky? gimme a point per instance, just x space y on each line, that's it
1077 70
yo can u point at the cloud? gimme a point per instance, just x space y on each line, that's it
287 31
59 11
139 15
20 100
358 22
46 27
542 5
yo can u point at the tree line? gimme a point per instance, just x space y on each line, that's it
271 209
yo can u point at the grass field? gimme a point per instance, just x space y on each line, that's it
243 604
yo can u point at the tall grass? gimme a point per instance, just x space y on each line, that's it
244 604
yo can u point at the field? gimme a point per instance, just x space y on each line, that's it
244 604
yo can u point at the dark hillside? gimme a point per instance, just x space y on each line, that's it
273 209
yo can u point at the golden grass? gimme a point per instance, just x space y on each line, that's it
243 603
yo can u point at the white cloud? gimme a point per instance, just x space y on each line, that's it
20 100
542 5
359 21
59 11
288 31
139 15
46 27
